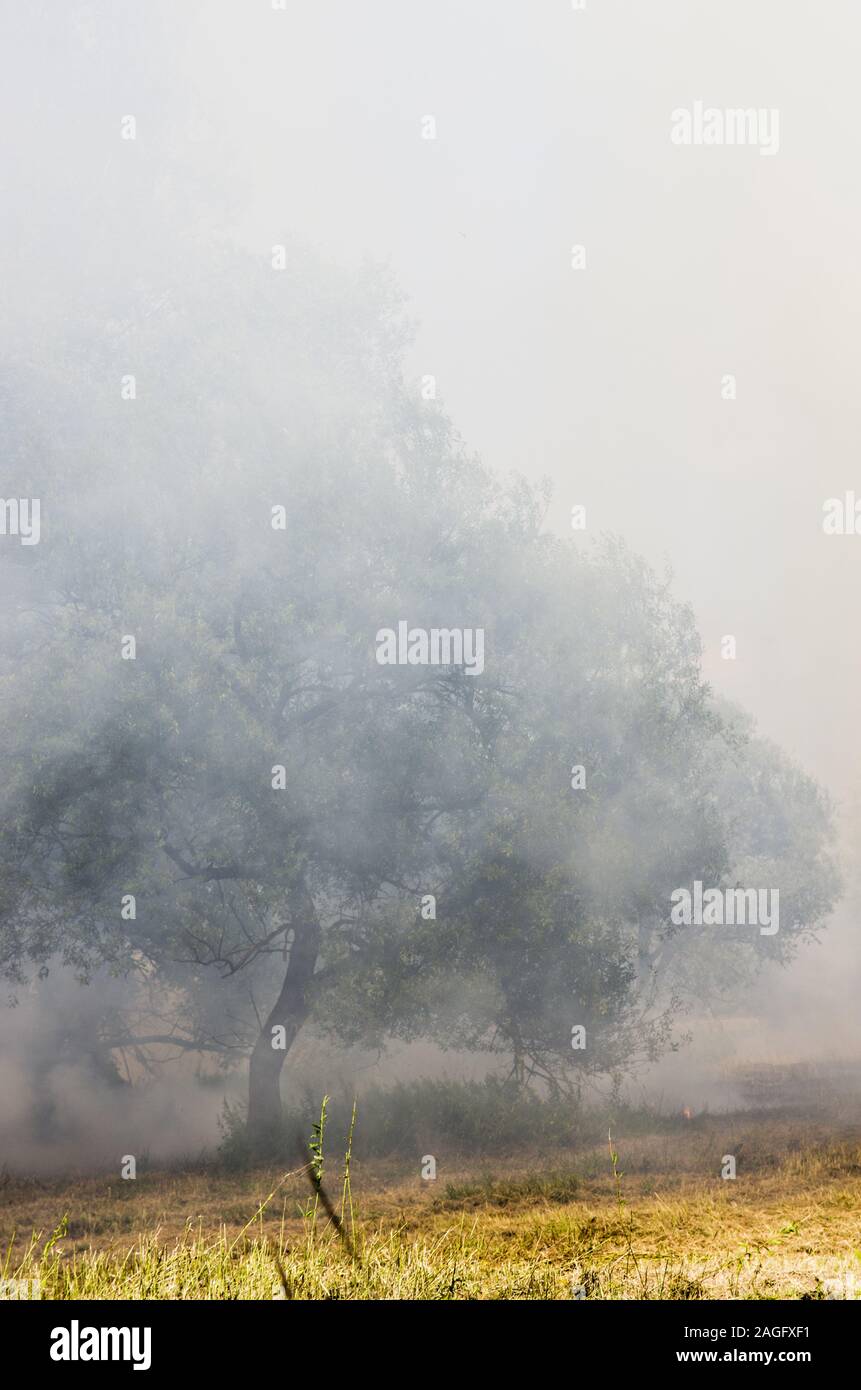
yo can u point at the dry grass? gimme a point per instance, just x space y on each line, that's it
530 1226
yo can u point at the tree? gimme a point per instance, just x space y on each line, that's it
270 497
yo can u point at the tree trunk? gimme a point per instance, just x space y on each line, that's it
290 1011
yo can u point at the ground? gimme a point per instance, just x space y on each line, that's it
557 1225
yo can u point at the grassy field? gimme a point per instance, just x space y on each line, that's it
658 1223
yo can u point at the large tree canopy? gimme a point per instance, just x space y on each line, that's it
264 498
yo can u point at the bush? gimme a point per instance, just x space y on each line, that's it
416 1117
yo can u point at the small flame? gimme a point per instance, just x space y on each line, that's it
686 1112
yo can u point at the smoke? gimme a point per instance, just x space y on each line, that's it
70 1104
469 149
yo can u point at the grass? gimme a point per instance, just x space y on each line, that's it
651 1219
511 1192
